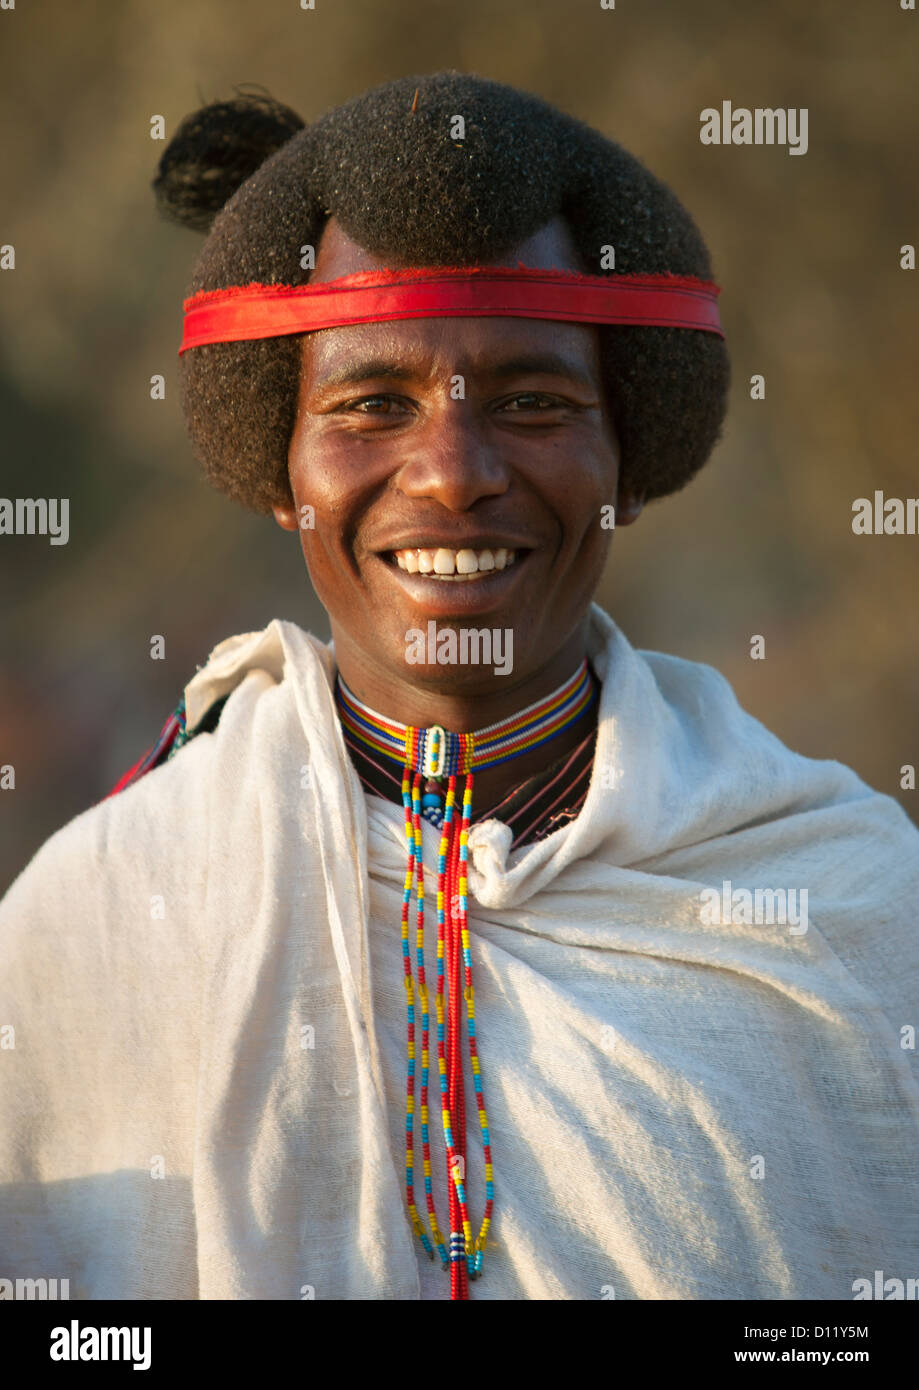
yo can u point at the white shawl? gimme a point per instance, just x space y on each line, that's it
202 1019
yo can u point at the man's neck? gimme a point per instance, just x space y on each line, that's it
462 711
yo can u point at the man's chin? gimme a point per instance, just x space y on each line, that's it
450 659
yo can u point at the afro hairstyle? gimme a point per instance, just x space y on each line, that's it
385 165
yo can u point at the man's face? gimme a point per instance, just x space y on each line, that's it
452 435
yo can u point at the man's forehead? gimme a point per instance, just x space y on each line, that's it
468 345
498 347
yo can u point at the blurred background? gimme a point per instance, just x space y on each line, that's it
805 247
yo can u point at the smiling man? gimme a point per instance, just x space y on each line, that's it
471 508
357 894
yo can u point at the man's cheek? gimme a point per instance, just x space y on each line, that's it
318 566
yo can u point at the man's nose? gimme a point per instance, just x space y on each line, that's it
454 458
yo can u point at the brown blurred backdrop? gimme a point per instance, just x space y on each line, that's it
805 247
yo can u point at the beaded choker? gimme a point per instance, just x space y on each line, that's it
439 756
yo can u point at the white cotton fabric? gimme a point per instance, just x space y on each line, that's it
167 1131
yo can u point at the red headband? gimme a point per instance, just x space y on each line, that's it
269 311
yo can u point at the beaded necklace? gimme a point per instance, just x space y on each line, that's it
438 755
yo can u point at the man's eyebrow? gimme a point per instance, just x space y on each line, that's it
354 372
541 364
537 363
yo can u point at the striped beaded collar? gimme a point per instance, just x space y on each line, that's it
437 753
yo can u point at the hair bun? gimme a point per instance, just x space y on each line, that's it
215 150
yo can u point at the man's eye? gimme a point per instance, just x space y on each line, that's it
534 400
373 405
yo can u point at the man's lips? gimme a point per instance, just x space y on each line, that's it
474 594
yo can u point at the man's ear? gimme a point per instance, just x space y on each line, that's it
286 517
628 506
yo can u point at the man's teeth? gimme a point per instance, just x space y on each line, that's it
454 564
